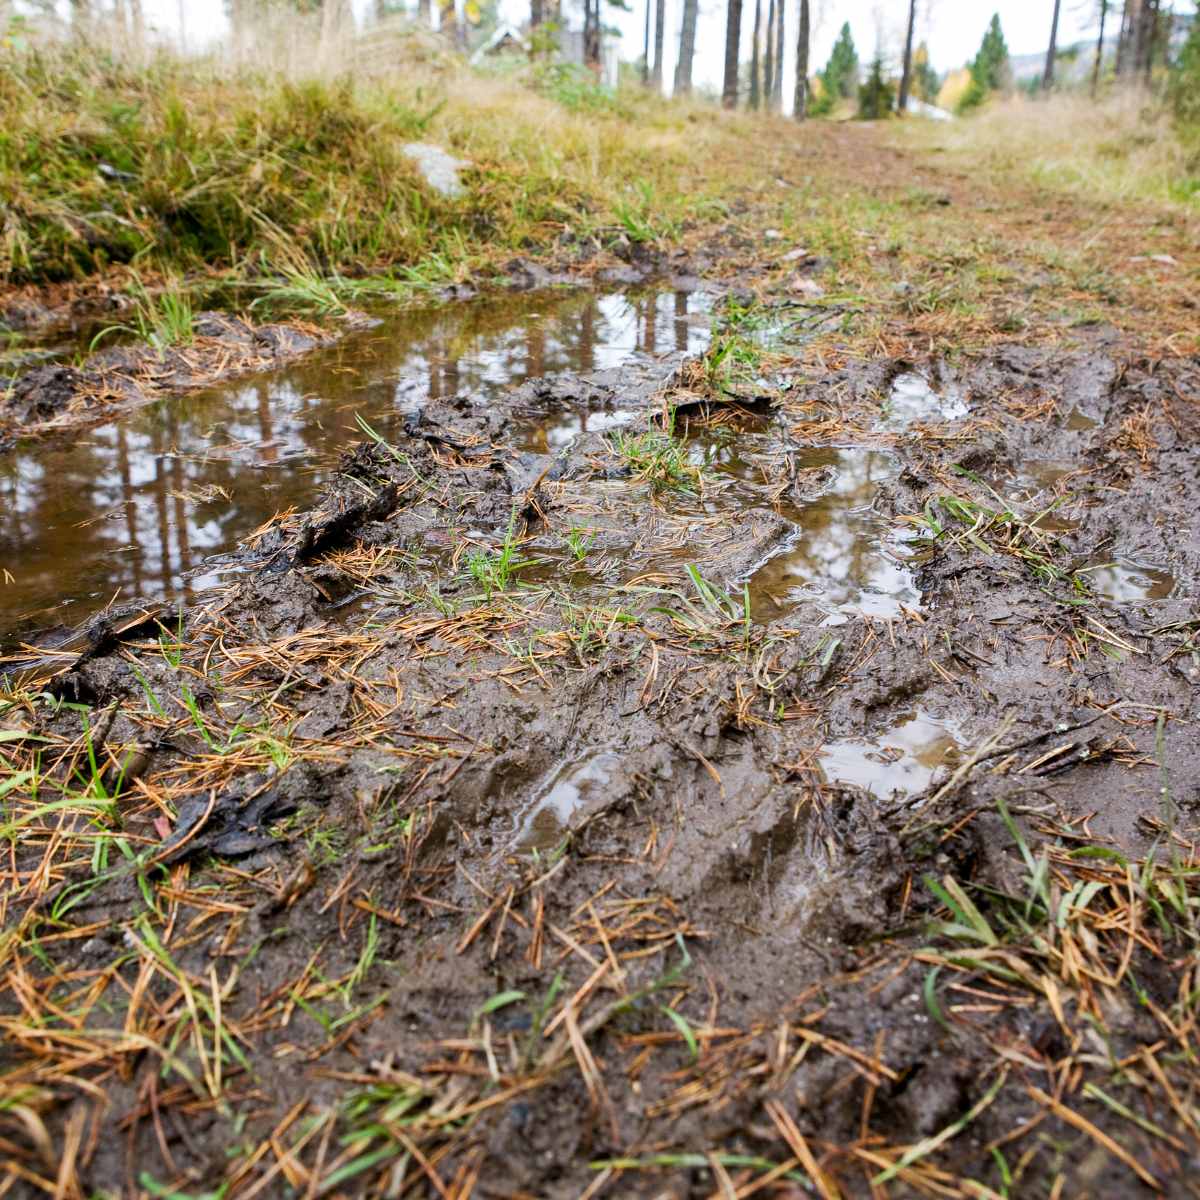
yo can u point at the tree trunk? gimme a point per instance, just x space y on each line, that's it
1099 49
660 30
646 49
906 75
768 78
536 14
687 48
733 37
425 12
138 21
1149 40
81 16
591 33
777 90
754 54
801 98
448 25
1051 50
1125 38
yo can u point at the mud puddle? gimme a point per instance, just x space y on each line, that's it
841 553
915 400
146 508
900 762
573 788
1126 582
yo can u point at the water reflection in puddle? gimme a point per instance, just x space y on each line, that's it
904 760
913 399
573 788
1126 582
548 437
141 508
844 555
1035 488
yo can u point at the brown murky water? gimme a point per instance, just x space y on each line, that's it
147 507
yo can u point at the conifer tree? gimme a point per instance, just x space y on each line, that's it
840 76
876 96
990 69
1184 87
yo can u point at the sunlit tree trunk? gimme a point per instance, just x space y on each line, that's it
660 29
801 98
1052 50
906 75
646 49
425 12
754 54
733 37
137 23
687 47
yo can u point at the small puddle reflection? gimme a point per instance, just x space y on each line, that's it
914 400
559 431
903 760
1034 488
146 506
1127 582
844 555
574 787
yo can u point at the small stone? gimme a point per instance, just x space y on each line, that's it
439 169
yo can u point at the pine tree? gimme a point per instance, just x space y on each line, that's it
733 38
800 106
1184 88
990 70
876 97
840 76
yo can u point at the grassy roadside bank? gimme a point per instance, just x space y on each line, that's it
179 168
168 185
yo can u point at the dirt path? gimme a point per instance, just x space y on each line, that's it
767 772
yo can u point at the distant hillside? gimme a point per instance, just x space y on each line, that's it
1074 62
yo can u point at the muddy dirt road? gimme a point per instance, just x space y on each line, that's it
662 756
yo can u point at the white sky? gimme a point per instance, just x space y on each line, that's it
952 28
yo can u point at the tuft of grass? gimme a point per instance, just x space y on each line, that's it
496 570
164 318
658 458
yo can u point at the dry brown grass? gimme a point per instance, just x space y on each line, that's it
1120 149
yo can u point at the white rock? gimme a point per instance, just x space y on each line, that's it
439 169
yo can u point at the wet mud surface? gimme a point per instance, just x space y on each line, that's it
619 706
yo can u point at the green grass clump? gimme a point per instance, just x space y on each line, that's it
657 457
